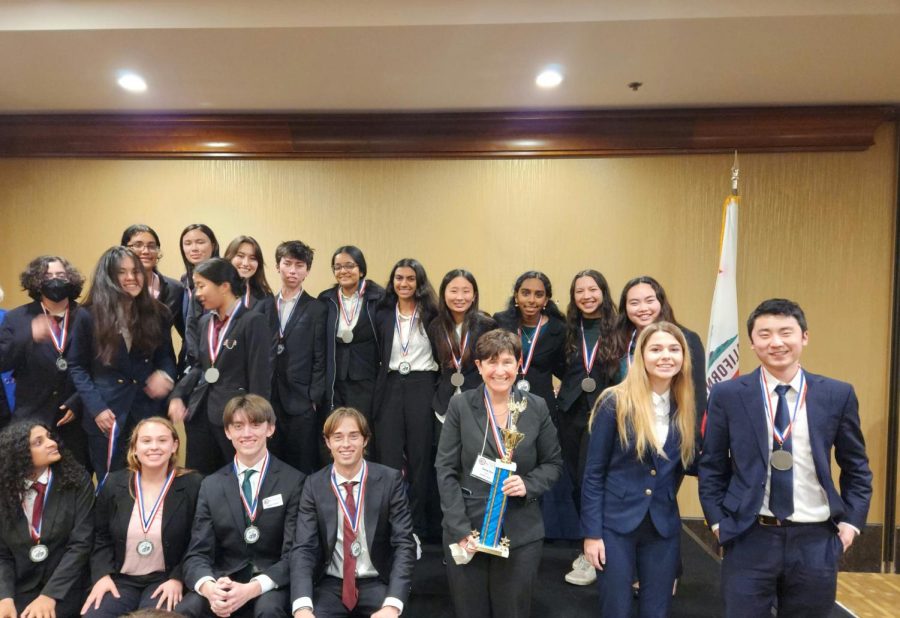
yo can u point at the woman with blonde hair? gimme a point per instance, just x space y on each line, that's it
642 442
142 524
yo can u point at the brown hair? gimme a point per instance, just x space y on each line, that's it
495 342
338 414
256 408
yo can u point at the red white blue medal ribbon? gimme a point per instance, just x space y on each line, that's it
404 347
630 353
588 359
492 420
110 451
348 320
147 520
360 497
525 362
457 362
59 344
215 344
779 435
35 527
247 294
251 509
279 302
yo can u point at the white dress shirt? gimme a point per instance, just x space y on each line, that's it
418 354
351 308
287 308
661 409
31 494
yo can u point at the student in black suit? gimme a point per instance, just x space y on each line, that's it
354 540
239 557
35 344
144 241
297 326
246 256
490 585
404 393
353 356
235 359
124 365
197 243
591 365
142 526
46 501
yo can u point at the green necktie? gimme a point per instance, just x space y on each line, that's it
246 487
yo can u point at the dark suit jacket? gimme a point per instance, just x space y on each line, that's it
299 376
171 294
118 386
112 514
68 532
193 341
614 489
570 387
244 364
463 497
735 458
359 359
217 545
40 387
388 525
444 390
549 357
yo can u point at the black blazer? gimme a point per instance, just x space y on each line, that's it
118 386
217 545
68 532
193 341
570 388
387 522
299 376
463 497
359 359
112 514
40 386
549 356
444 390
244 364
171 294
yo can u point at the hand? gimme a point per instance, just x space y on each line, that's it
7 608
847 535
105 421
300 613
469 543
41 607
170 593
595 553
215 594
104 584
67 417
514 486
388 611
40 329
158 385
239 594
177 411
716 532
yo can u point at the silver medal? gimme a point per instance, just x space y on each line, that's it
782 460
457 379
589 385
251 535
523 386
38 553
61 364
211 375
145 548
347 336
279 349
355 549
404 368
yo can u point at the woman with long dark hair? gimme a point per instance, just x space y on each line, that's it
124 365
197 243
246 256
234 359
46 501
405 386
142 526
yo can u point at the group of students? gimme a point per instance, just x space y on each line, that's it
431 374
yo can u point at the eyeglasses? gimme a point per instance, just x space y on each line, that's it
339 267
137 247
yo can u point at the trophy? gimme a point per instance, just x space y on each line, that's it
488 539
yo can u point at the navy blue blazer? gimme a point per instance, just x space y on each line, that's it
619 489
735 459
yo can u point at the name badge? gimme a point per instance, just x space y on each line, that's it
271 501
484 468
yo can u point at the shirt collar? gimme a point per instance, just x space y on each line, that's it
772 381
357 478
661 400
43 478
257 466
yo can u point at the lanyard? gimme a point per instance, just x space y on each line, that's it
110 451
215 343
457 362
251 509
492 420
147 520
360 497
349 319
525 362
404 347
588 359
630 353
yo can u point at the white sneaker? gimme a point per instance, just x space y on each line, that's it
582 573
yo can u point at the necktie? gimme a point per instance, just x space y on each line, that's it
781 490
349 593
56 325
38 510
247 488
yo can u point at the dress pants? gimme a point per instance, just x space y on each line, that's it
573 442
298 437
134 593
66 608
328 604
794 567
355 394
273 604
208 449
403 435
98 444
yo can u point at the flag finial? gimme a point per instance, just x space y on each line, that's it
735 172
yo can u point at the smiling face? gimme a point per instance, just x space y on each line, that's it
778 341
641 305
44 449
346 270
531 298
663 359
498 372
248 438
130 276
347 444
459 295
405 282
245 260
196 246
155 446
144 245
588 296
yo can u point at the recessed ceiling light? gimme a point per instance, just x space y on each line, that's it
132 82
218 144
549 78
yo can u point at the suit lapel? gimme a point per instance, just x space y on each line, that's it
479 414
232 497
173 503
751 397
815 405
330 513
371 504
299 309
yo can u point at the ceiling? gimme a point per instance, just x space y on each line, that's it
366 55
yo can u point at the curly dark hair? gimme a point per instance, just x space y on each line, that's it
33 276
15 444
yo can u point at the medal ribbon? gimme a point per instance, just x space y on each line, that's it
404 347
630 353
247 294
147 520
356 305
278 303
58 344
252 508
457 362
360 495
525 362
588 359
215 345
777 434
35 530
110 451
495 431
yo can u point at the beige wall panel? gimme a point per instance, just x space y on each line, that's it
814 227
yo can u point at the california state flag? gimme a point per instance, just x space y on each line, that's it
722 342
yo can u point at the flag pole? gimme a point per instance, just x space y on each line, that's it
735 172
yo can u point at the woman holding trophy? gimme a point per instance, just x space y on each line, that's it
497 454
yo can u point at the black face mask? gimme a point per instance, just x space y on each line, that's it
56 289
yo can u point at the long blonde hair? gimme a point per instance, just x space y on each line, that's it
634 402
